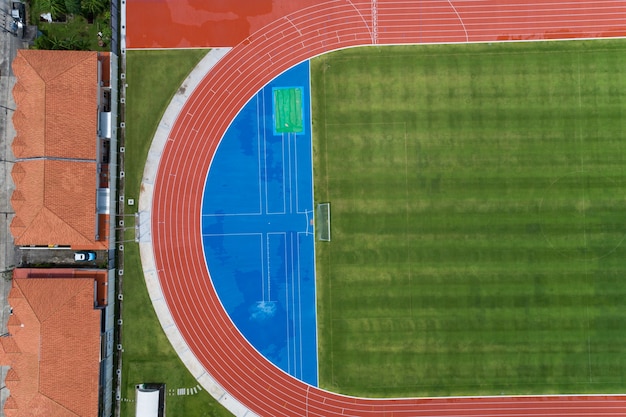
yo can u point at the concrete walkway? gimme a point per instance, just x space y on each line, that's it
145 236
9 45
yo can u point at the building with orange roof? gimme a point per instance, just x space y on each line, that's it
62 149
59 354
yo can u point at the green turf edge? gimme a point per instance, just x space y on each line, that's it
318 66
153 78
320 192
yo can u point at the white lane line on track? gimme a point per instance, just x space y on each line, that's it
460 19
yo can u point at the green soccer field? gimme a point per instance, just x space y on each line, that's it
477 196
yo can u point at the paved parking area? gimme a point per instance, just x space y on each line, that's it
42 257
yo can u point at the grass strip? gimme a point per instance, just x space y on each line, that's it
153 78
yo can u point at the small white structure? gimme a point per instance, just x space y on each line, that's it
149 402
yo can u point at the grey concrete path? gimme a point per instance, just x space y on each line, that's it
9 44
145 237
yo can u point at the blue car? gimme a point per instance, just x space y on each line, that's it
84 256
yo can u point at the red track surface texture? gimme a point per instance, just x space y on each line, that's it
313 30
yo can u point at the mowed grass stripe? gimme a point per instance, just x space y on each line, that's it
477 195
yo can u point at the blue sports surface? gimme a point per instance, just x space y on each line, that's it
257 227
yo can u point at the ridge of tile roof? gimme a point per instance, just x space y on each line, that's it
57 294
10 404
14 320
11 375
8 345
15 294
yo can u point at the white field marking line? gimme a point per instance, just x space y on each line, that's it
306 408
310 150
329 223
512 25
435 42
578 11
233 214
510 411
294 26
287 312
362 18
264 159
621 50
427 11
290 173
374 21
299 300
330 292
231 234
267 252
406 187
407 25
282 157
308 223
295 150
460 20
586 261
582 160
258 125
269 271
288 303
293 300
269 277
365 123
588 333
306 213
518 31
522 4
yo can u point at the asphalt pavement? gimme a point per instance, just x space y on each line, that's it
9 44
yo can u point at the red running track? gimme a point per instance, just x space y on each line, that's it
188 152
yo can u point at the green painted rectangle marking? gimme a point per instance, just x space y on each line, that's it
288 111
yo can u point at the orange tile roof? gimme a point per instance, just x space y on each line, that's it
56 96
55 175
55 203
105 60
55 368
99 276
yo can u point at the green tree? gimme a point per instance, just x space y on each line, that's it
73 6
55 7
72 43
91 8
